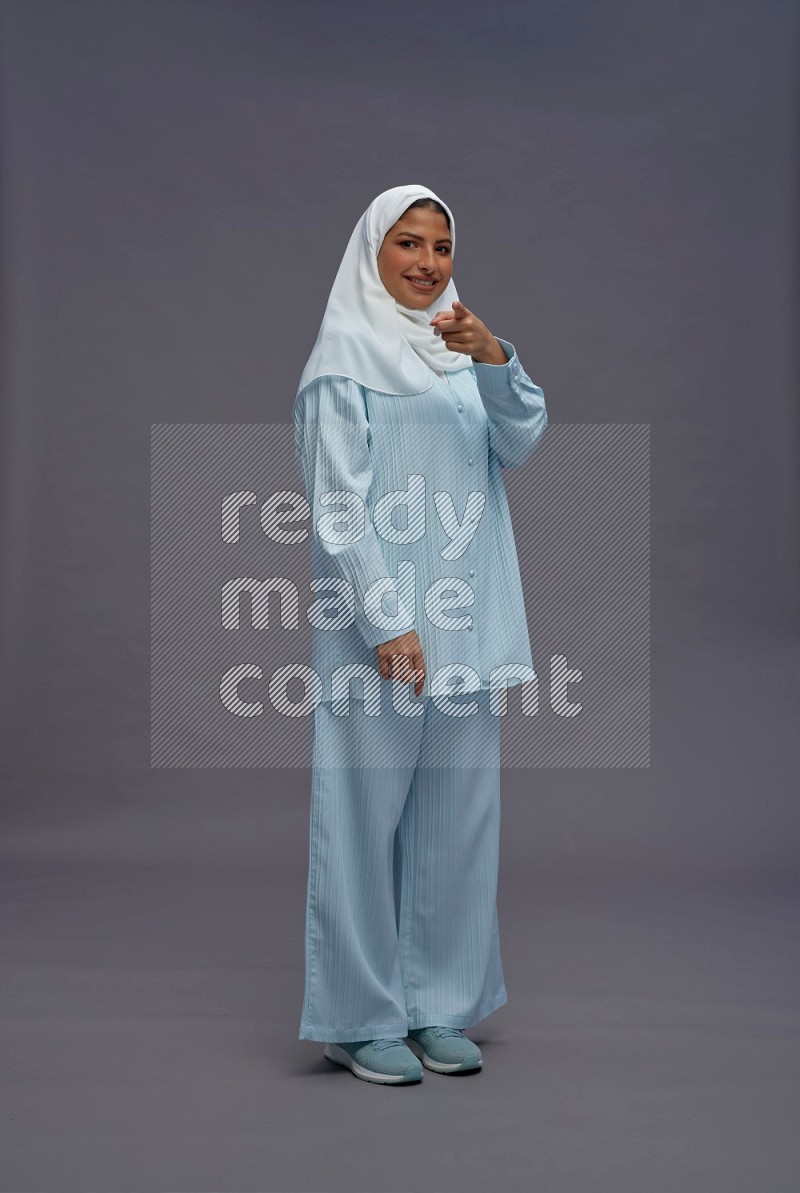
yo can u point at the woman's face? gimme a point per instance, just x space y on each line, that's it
415 261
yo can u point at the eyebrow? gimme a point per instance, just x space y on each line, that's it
416 236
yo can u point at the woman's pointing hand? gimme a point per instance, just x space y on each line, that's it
463 331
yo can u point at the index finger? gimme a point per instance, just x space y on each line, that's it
459 311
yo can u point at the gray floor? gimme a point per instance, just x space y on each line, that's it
650 1043
152 979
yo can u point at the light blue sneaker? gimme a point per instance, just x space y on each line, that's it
445 1049
387 1062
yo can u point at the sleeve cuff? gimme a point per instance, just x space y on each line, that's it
497 380
388 627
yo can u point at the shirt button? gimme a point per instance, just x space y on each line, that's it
469 461
472 571
459 407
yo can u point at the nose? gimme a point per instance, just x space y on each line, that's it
427 261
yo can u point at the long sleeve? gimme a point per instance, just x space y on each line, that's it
515 407
332 443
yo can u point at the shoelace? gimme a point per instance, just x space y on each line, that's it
441 1032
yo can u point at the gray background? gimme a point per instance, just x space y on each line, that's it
178 184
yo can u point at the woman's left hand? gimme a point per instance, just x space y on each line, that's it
463 331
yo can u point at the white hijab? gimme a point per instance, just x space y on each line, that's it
365 333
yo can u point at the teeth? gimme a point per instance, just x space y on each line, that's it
417 282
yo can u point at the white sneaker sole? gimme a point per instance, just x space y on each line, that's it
340 1057
438 1066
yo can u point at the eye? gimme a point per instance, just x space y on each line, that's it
445 248
403 243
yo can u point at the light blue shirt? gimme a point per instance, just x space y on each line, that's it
408 491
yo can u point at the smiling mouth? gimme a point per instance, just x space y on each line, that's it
421 283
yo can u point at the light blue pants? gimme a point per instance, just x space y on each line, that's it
401 914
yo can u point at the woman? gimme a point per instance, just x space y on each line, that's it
406 413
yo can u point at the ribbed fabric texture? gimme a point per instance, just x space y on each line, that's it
455 439
401 914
